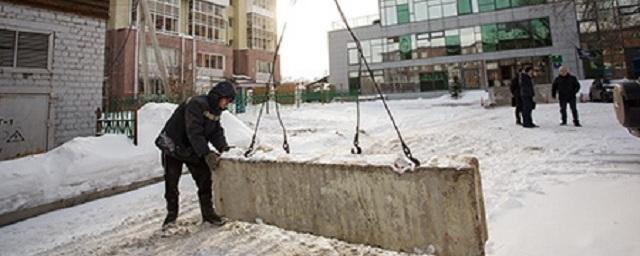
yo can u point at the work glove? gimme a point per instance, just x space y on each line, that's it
212 159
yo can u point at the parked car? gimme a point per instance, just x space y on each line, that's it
585 88
627 105
603 90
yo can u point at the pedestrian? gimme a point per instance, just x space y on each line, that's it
491 91
565 86
455 88
515 96
185 139
526 96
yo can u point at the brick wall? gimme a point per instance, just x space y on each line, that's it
77 70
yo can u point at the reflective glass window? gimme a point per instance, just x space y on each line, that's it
403 13
450 9
420 10
464 6
486 5
452 41
489 37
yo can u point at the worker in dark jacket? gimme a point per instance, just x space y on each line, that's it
515 93
185 140
566 86
526 95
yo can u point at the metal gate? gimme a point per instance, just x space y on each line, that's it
24 124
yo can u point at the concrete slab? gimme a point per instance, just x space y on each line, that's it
431 206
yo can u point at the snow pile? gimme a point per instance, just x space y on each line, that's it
94 163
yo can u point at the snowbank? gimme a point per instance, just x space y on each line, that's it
94 163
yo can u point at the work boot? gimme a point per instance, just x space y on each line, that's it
214 219
171 218
208 214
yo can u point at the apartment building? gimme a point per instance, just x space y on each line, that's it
201 41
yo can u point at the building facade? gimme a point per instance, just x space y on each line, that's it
202 42
51 72
610 32
421 45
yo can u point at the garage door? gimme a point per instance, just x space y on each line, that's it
23 124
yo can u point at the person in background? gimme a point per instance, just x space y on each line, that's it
185 139
526 96
455 88
491 85
515 96
565 86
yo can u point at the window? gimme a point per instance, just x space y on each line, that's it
452 40
261 32
263 67
390 15
502 4
489 37
467 40
207 21
486 5
403 13
20 49
210 61
165 14
435 9
449 8
464 6
420 9
269 5
541 33
372 50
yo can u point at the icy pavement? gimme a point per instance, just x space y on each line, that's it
581 184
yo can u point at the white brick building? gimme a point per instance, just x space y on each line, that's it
51 72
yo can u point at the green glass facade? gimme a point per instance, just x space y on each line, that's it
395 12
514 35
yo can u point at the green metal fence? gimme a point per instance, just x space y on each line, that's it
123 122
307 97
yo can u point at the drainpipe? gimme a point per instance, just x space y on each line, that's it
193 50
136 57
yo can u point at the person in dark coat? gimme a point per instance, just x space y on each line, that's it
566 86
185 140
526 95
515 100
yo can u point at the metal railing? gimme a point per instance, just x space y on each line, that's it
123 122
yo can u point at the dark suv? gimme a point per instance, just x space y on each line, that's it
603 90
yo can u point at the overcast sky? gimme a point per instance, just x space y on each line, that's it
305 52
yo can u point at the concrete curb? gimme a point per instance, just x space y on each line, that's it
87 196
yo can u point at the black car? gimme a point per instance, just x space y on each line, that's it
602 90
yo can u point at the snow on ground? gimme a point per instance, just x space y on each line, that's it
566 190
88 164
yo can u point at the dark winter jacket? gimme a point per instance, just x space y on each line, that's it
565 87
194 124
515 86
526 86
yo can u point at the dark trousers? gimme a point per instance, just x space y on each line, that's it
518 111
527 109
201 175
563 108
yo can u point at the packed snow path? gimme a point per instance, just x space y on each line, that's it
560 189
